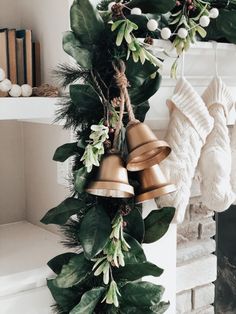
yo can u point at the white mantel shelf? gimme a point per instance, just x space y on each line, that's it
35 109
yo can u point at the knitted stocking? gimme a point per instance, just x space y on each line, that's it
215 161
189 125
233 170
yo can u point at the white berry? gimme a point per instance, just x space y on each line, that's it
15 91
214 13
204 21
110 5
165 33
152 25
26 90
182 33
136 11
5 85
2 74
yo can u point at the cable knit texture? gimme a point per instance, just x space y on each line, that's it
233 170
215 161
189 125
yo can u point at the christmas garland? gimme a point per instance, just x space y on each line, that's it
110 84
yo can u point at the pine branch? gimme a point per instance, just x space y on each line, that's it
67 74
70 232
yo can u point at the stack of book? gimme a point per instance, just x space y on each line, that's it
20 57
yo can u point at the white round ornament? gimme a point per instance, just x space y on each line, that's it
2 74
15 91
182 33
26 90
214 13
204 21
165 33
110 5
136 11
5 85
152 25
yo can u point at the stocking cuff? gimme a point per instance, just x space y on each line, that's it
187 100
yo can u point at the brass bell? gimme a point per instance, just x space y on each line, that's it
153 184
145 150
112 180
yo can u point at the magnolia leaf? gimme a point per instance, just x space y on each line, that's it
66 298
140 110
73 273
160 308
153 6
73 47
86 22
94 231
133 272
135 255
157 224
135 224
141 294
155 309
88 301
60 214
57 262
81 177
65 151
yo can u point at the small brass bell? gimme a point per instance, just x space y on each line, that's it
153 184
145 150
112 180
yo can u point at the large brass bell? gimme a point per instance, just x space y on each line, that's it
153 184
145 150
112 180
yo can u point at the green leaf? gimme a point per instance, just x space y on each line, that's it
153 6
57 262
94 231
141 294
226 25
160 308
75 49
60 214
86 22
157 224
73 273
140 110
135 224
117 24
65 151
155 309
133 272
81 177
66 298
135 255
120 35
88 301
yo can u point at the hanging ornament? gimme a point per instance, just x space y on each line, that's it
165 33
214 13
136 11
26 90
204 21
15 91
152 25
112 179
182 33
5 85
2 75
153 184
145 150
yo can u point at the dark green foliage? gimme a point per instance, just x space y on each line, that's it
65 151
67 74
157 224
57 262
135 224
153 6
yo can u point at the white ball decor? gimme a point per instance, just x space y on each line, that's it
110 5
15 91
136 11
5 85
165 33
152 25
2 75
204 21
214 13
182 33
26 90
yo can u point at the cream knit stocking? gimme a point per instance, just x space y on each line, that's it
189 125
233 154
215 161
